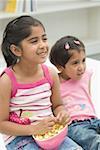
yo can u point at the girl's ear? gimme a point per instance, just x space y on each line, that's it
15 50
60 68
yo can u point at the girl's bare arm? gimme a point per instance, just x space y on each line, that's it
57 104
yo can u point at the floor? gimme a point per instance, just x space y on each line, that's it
96 56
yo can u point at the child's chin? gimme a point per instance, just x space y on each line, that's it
44 60
79 77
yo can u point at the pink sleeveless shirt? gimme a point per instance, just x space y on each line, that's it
29 102
76 98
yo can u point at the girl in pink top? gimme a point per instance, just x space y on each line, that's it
30 102
68 55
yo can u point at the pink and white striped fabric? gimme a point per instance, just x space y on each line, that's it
29 102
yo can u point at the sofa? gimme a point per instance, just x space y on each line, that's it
95 82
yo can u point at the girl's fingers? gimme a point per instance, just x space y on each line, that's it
63 117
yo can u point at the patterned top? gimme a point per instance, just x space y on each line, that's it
29 102
76 98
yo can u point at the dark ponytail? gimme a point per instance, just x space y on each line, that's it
9 57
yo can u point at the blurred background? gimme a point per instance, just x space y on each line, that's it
79 18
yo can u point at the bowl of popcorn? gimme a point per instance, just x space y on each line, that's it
52 139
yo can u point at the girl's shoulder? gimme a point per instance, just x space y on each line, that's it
50 72
5 81
8 75
7 72
49 69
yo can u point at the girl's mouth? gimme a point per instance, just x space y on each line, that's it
42 53
80 74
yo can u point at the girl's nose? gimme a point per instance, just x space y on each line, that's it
81 67
41 44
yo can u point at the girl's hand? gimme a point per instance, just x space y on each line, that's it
44 125
63 117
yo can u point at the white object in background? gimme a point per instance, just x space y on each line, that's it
19 6
2 66
2 4
33 5
2 146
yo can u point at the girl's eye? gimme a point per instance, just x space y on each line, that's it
75 62
45 39
84 60
34 41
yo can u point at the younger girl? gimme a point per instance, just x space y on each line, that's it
29 91
68 55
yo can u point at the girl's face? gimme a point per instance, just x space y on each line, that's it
76 66
35 47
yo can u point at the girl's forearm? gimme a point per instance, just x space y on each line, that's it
14 129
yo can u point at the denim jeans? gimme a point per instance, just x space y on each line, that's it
27 143
86 133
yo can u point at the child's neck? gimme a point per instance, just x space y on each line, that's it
63 77
24 75
29 70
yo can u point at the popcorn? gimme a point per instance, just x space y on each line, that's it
56 129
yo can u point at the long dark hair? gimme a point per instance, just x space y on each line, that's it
16 31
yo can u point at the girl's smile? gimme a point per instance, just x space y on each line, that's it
35 47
